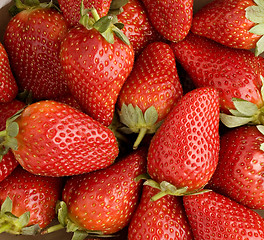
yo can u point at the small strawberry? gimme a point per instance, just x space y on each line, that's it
161 219
32 40
8 85
26 200
236 73
102 202
97 64
71 9
234 23
183 153
53 139
171 18
213 216
239 174
151 90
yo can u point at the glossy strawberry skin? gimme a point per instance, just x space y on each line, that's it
213 216
239 174
76 143
104 200
8 86
154 81
161 219
184 150
32 40
29 192
96 70
172 19
71 9
225 21
235 73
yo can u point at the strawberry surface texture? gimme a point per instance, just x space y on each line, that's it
132 119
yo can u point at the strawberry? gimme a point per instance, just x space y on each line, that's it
32 40
26 200
234 23
76 143
102 202
213 216
171 18
71 9
151 90
70 100
236 73
239 172
161 219
97 64
137 26
8 85
183 153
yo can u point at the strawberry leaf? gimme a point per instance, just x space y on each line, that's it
79 235
234 121
260 128
255 14
257 29
245 107
259 46
7 205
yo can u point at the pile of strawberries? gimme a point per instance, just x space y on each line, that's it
133 119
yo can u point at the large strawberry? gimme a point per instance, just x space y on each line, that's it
171 18
161 219
239 172
234 23
8 85
102 202
26 200
32 40
151 90
97 64
54 139
236 73
213 216
183 153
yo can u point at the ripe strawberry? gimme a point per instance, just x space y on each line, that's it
103 201
184 151
71 9
96 64
137 26
236 73
239 173
161 219
70 100
8 85
54 139
32 40
151 90
32 196
172 18
234 23
213 216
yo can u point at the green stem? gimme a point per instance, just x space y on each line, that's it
95 14
141 135
53 229
158 196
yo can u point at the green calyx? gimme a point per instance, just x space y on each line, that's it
256 15
12 224
137 122
66 223
108 26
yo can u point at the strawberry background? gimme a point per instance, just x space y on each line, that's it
4 18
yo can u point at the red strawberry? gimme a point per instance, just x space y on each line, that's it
31 196
137 26
213 216
236 73
8 85
161 219
97 64
151 90
234 23
32 40
70 100
103 201
171 18
184 151
239 172
55 139
71 9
